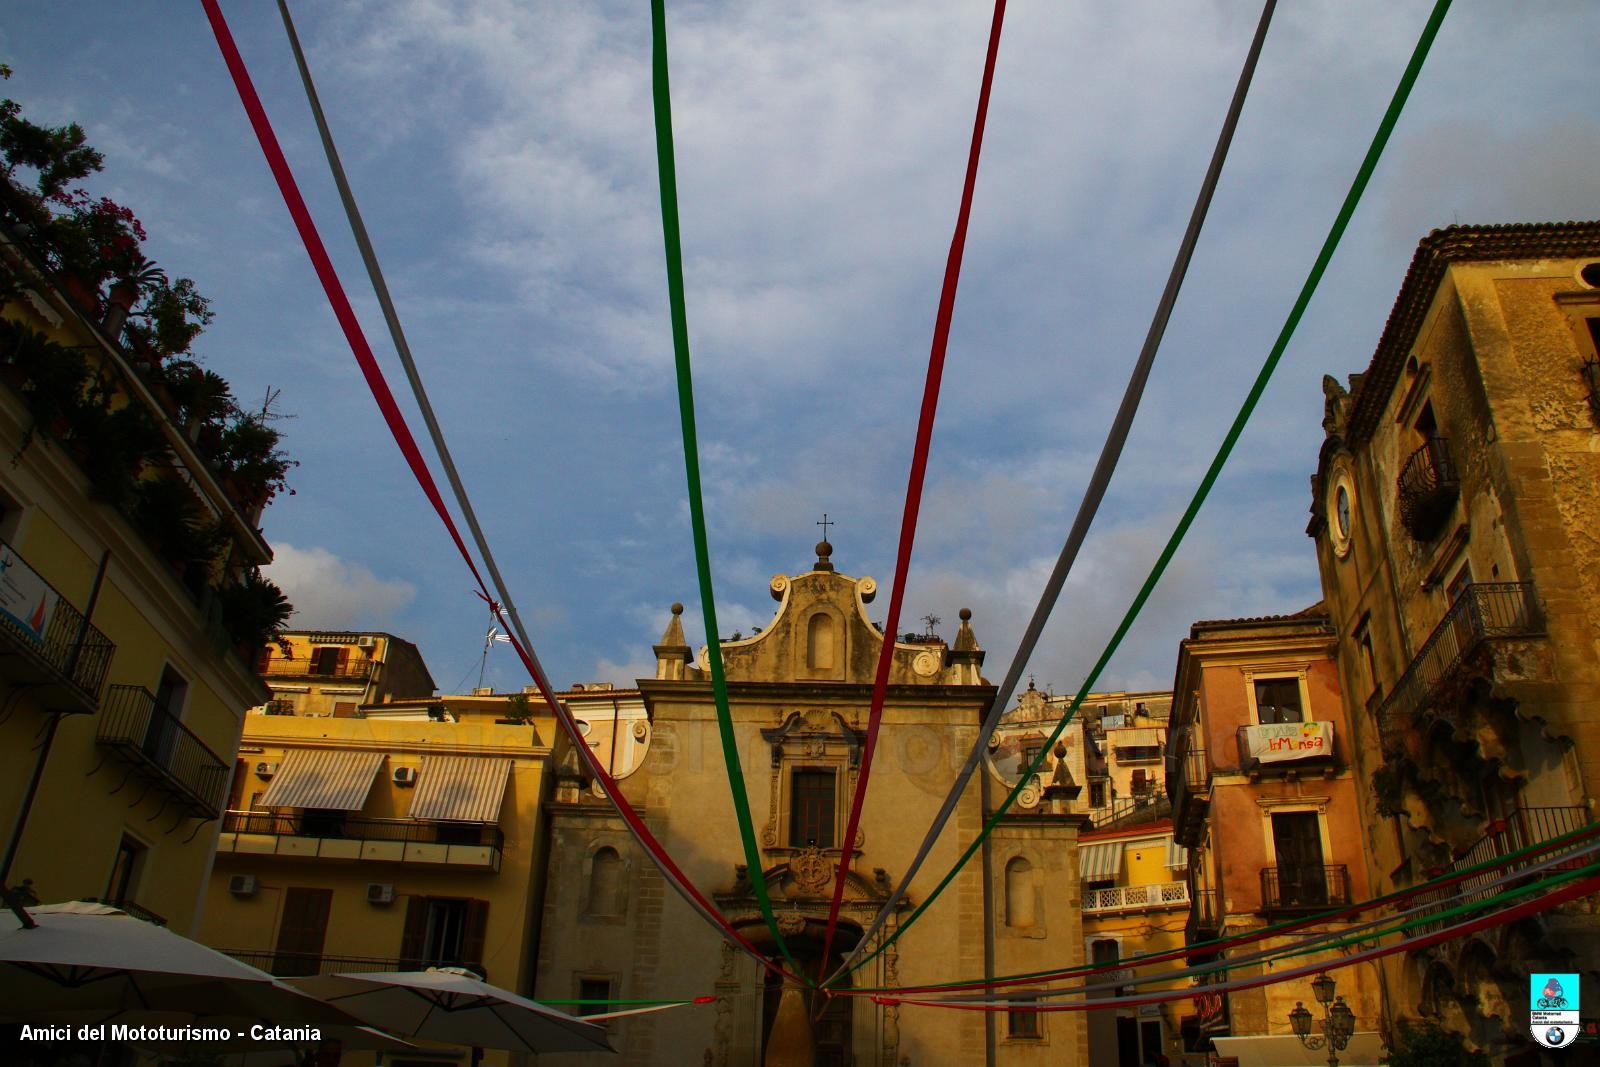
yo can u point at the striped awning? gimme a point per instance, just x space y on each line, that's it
1100 863
1177 855
1144 735
460 789
323 778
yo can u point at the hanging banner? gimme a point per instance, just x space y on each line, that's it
1280 742
25 598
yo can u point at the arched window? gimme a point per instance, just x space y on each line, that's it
1019 894
605 883
821 653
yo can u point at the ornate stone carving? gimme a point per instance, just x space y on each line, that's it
812 870
779 586
791 924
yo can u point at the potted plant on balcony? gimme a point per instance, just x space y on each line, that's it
249 455
254 612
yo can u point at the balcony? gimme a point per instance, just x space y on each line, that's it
1427 489
1305 889
48 644
1286 748
135 910
1522 828
1136 897
333 836
1205 917
1483 611
313 667
160 749
1189 778
1148 806
302 964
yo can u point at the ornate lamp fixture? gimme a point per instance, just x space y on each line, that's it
1338 1023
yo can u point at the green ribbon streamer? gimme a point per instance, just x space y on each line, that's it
667 165
1553 845
1341 223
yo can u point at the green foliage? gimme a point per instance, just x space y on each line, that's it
57 154
254 610
517 709
1426 1044
174 314
169 514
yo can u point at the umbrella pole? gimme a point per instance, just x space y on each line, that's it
477 1056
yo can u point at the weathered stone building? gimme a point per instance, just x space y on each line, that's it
800 692
1454 511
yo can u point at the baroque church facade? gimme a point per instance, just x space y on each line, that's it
799 693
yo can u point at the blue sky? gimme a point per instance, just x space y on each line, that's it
503 156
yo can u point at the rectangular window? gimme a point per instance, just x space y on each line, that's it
1138 753
1150 1042
811 808
1097 794
1278 700
1022 1024
125 870
594 989
302 931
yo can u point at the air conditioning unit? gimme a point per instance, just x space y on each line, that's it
266 770
405 776
366 641
242 885
380 892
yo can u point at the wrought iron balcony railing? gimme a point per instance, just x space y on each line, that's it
135 910
1522 828
1136 897
313 667
1205 916
1189 782
50 643
305 964
1483 610
353 828
1306 888
1148 805
147 736
1427 489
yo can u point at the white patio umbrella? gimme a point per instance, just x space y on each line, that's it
449 1005
95 963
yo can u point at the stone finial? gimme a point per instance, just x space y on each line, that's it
673 653
1334 401
824 551
966 640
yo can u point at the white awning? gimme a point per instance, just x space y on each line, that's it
1100 862
1285 1050
460 789
323 778
1177 855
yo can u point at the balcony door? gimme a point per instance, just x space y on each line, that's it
302 932
1297 843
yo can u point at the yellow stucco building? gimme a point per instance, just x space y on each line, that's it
124 664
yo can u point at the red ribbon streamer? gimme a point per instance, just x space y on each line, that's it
395 420
919 467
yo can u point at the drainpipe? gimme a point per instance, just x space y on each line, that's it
15 842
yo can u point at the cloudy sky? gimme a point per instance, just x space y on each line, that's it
503 155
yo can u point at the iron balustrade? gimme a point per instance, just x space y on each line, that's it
1189 781
1483 610
135 910
1150 804
1520 829
305 964
1131 897
311 667
1205 916
1308 887
145 734
72 655
1427 488
336 825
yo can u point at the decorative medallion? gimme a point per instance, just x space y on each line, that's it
811 870
791 924
926 664
641 729
597 789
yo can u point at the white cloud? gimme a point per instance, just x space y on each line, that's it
330 593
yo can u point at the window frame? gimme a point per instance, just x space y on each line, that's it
792 811
1298 674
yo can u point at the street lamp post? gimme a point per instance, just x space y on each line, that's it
1338 1021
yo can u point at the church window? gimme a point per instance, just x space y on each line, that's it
1019 894
605 883
1024 1024
812 803
820 641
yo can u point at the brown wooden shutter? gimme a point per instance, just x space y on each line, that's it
241 771
416 930
472 938
263 659
302 931
344 709
344 660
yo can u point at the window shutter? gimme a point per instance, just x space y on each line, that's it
416 930
472 939
263 659
344 659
